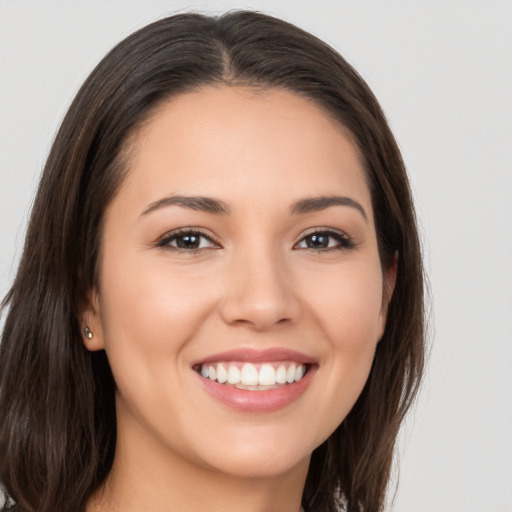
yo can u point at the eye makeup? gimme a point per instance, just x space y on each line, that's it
193 240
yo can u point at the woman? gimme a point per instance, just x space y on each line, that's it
220 300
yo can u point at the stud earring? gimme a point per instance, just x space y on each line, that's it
88 333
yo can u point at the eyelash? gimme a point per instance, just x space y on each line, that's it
343 241
180 233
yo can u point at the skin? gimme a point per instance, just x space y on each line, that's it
256 284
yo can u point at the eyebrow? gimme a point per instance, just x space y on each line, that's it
218 207
315 204
202 204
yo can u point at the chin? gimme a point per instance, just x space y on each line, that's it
250 457
262 465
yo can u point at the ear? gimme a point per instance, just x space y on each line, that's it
389 282
90 322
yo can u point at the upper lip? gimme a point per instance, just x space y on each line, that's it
252 355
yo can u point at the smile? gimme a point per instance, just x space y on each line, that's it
256 381
253 376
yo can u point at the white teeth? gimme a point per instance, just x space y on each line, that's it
290 374
233 375
267 375
252 378
281 374
249 375
222 374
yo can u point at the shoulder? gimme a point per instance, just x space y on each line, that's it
6 503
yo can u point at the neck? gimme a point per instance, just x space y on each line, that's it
145 477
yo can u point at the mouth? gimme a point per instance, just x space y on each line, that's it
253 376
256 380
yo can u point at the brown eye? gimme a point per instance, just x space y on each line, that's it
325 240
187 241
317 241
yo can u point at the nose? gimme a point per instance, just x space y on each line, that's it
259 292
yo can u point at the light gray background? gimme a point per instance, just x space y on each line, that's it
443 73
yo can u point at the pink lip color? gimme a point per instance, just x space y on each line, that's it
250 355
257 401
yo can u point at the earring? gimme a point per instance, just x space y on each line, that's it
88 333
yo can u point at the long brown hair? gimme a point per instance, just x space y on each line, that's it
57 415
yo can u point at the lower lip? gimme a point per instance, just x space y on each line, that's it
258 401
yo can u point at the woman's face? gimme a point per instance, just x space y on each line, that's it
241 292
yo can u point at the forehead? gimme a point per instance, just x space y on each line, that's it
241 140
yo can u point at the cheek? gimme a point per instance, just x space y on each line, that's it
347 305
347 302
148 314
150 300
353 326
